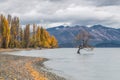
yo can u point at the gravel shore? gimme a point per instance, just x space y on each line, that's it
24 68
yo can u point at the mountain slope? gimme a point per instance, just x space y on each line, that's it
100 34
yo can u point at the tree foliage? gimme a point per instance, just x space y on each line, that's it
14 36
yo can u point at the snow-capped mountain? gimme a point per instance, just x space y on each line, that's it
100 34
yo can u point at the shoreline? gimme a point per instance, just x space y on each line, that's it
20 67
13 49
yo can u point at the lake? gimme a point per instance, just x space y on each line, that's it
99 64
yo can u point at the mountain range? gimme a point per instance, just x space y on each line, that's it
102 36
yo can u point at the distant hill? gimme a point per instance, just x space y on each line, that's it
100 34
108 45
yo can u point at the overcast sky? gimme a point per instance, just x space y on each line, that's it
59 12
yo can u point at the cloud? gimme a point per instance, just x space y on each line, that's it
106 2
56 12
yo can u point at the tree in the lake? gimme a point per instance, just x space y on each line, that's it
83 39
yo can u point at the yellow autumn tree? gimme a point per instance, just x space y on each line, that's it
1 29
38 34
46 39
12 35
54 42
5 33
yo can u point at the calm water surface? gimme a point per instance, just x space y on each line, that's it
100 64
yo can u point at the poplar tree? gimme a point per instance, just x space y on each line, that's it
5 33
33 38
38 39
27 35
14 36
54 42
22 38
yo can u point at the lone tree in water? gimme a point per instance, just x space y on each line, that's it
83 38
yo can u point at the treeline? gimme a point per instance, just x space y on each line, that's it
12 35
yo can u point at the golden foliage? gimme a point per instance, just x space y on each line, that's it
54 42
12 36
5 33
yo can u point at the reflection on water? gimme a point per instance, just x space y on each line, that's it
100 64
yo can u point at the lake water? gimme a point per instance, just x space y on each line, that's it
99 64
